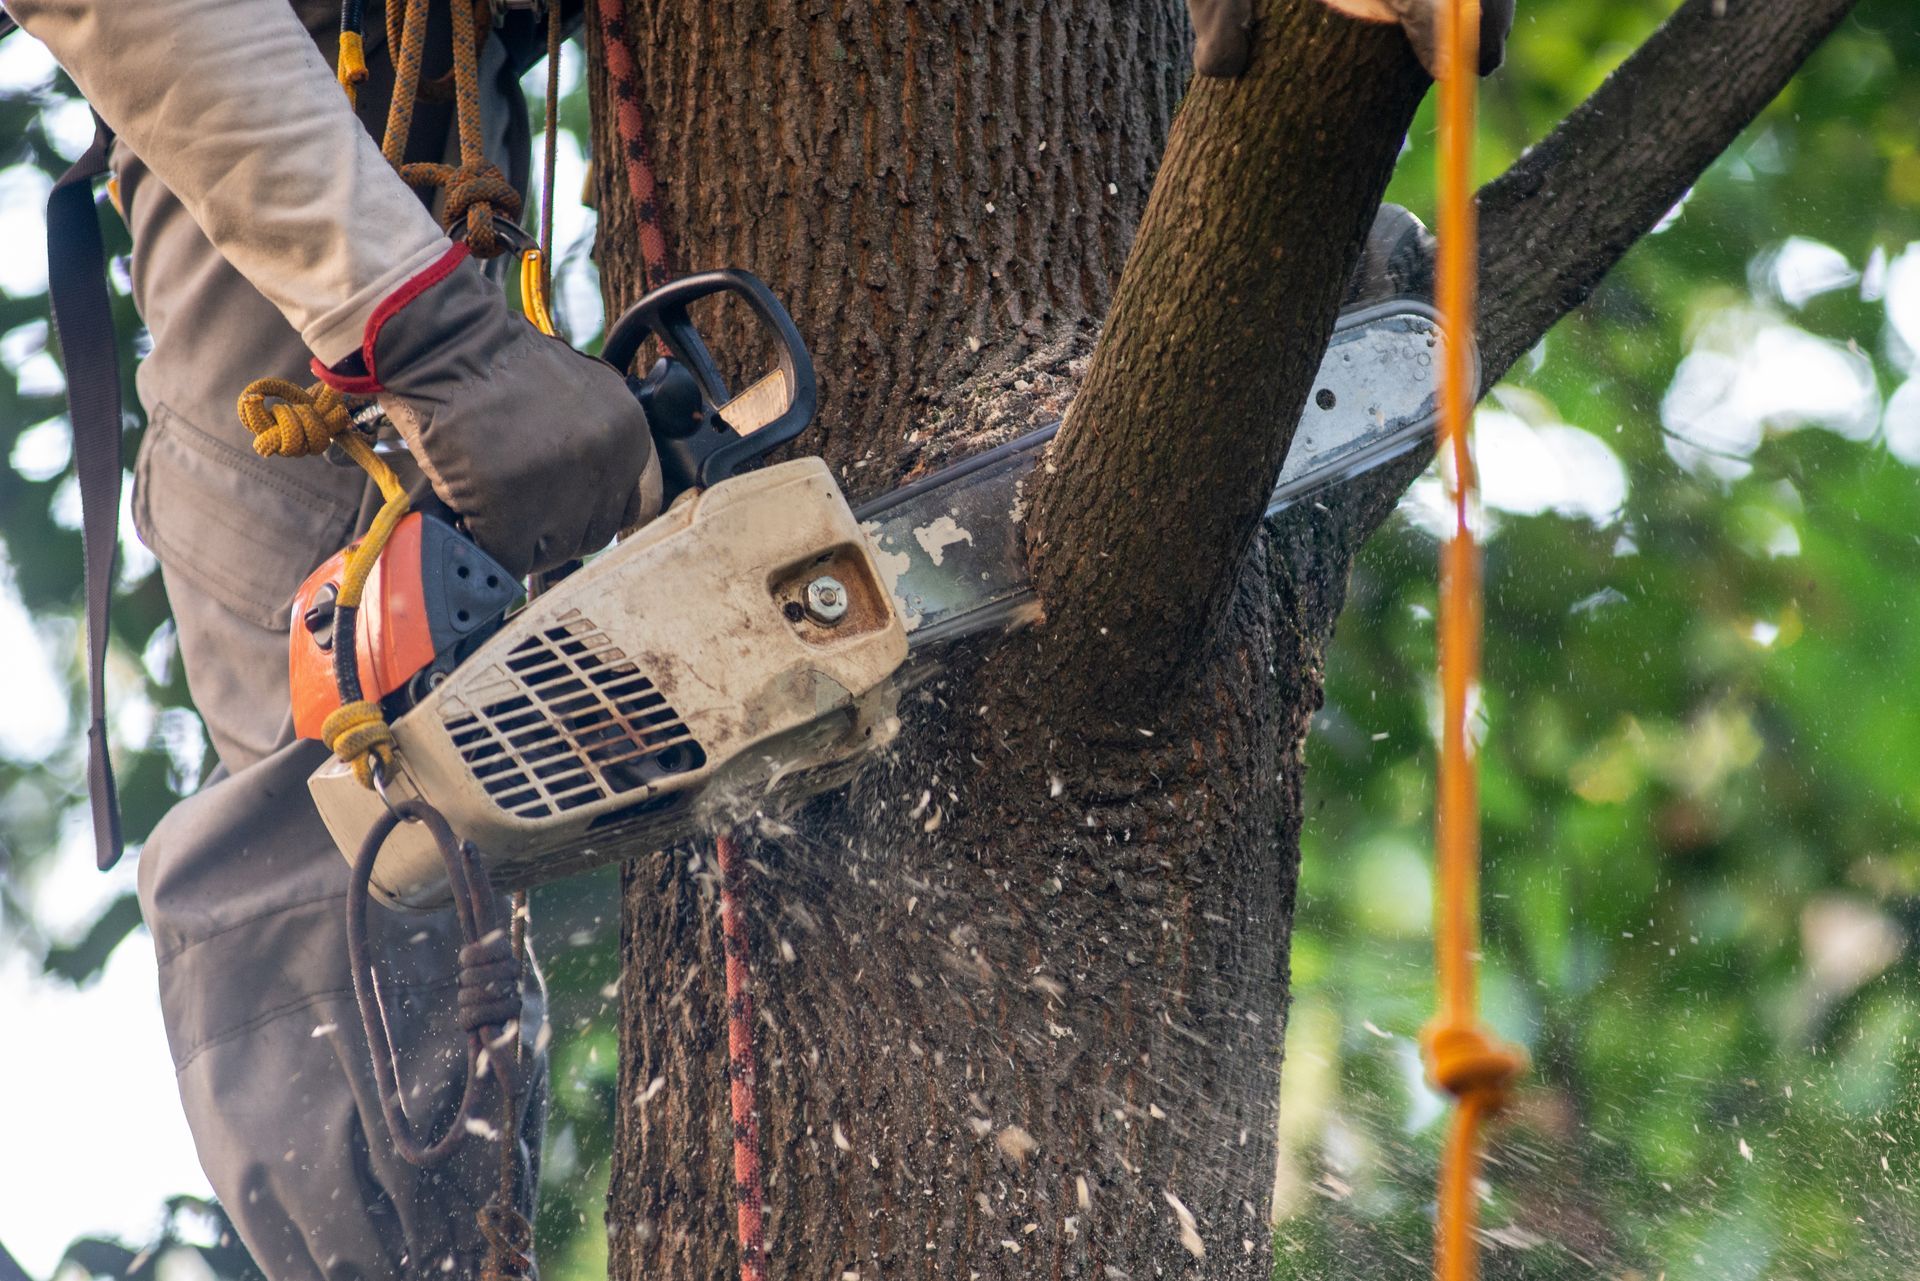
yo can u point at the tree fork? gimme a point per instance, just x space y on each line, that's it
1555 223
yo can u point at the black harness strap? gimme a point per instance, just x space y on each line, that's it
83 315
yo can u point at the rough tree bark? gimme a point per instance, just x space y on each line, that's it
1022 990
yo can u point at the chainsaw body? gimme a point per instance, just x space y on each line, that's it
732 653
684 678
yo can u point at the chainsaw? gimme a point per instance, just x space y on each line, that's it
744 648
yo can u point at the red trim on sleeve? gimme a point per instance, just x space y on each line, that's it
351 384
369 384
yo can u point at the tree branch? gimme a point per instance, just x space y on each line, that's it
1555 223
1139 529
1140 522
1565 213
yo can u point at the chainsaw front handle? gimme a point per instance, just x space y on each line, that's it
701 443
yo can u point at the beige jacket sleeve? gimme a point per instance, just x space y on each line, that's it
233 108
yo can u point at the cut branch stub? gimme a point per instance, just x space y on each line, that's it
1145 508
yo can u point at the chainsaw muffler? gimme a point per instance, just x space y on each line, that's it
730 655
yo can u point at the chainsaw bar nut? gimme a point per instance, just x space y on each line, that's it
826 600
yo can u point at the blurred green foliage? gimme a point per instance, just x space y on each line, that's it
1702 877
1700 894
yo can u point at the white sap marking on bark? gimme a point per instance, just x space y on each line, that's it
938 535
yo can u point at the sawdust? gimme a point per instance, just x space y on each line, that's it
1006 398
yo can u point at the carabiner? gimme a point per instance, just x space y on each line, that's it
378 770
534 302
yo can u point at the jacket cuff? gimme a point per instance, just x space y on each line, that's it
345 360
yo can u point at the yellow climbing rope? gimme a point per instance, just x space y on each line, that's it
291 421
1463 1058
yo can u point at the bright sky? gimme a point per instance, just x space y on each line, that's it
100 1141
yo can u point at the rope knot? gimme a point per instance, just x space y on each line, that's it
291 421
358 734
489 992
1467 1062
350 68
475 196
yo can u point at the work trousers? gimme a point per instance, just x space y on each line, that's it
240 884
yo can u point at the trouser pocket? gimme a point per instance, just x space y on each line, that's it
245 530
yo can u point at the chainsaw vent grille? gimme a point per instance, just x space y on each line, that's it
567 720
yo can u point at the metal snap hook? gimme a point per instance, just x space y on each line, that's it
378 770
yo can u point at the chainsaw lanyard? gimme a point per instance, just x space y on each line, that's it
1463 1058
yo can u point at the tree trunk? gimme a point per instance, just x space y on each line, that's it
940 192
1022 990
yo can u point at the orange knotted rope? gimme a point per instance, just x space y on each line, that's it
1462 1057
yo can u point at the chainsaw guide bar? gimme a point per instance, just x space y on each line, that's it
949 545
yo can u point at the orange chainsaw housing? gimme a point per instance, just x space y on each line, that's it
430 595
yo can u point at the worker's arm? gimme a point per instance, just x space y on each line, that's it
231 105
543 451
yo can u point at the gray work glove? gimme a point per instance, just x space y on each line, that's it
541 450
1223 30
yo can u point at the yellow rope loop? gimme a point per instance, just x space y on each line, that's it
291 421
351 66
358 734
533 292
